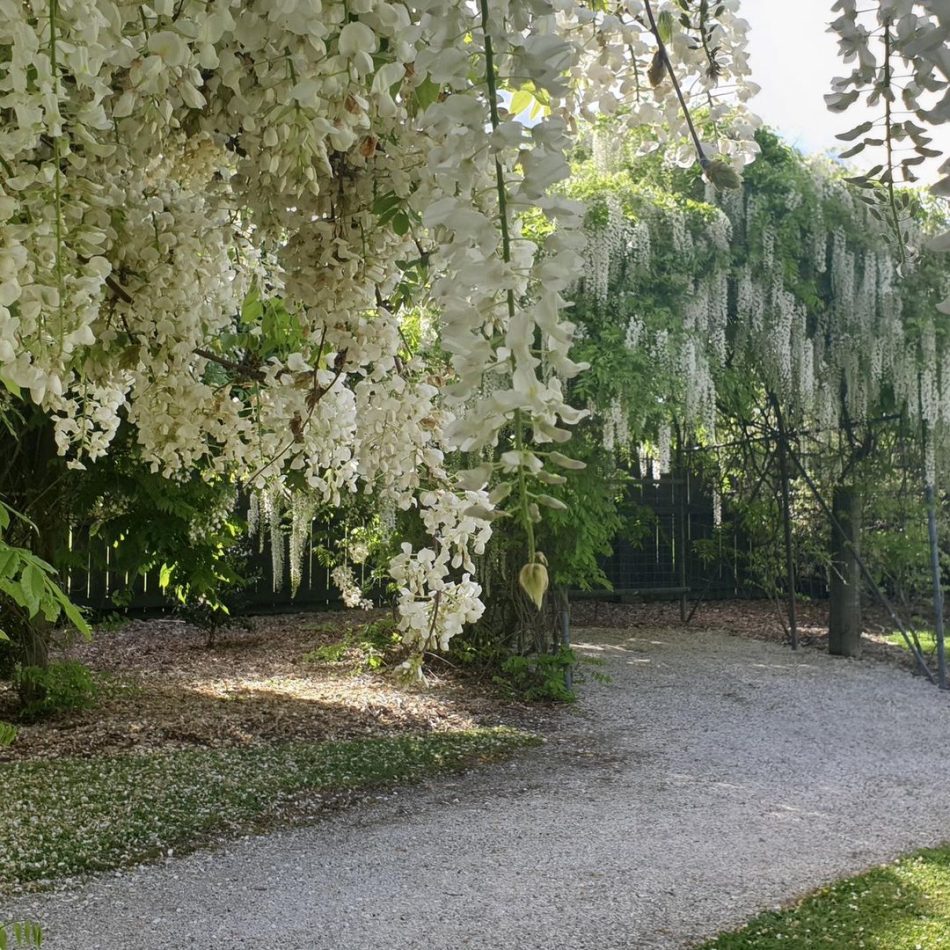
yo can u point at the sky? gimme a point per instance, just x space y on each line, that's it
793 58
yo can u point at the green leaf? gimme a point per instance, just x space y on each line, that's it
401 223
386 204
253 308
854 150
33 583
130 356
664 26
14 590
10 386
520 101
165 576
75 617
426 93
8 561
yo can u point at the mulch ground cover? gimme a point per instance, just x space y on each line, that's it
160 687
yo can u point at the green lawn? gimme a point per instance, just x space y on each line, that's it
902 906
69 816
927 638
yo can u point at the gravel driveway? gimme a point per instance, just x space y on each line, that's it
712 777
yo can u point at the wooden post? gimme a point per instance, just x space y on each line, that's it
844 619
680 485
937 587
875 589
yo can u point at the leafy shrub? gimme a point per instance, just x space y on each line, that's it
367 647
382 634
185 530
7 734
20 934
538 677
64 687
328 653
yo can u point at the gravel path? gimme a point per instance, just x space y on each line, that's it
712 777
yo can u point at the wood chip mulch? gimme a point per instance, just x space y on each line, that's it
161 688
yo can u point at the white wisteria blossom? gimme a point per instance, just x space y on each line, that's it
209 209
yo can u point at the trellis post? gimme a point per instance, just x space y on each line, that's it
937 587
787 523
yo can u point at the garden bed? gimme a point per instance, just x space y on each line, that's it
181 744
300 677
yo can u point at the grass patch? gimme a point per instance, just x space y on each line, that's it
927 638
902 906
72 816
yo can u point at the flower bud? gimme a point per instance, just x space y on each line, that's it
533 579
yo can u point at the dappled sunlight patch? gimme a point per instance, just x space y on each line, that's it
755 619
607 640
163 688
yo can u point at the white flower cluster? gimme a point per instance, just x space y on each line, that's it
350 590
616 428
160 160
437 595
655 459
853 353
212 520
719 231
606 245
664 447
608 79
635 331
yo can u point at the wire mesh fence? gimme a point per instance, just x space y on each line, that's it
682 548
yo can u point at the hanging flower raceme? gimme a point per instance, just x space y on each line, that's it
211 214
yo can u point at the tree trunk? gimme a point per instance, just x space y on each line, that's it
33 649
36 491
844 621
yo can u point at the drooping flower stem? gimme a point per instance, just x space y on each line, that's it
889 144
519 426
655 30
58 172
